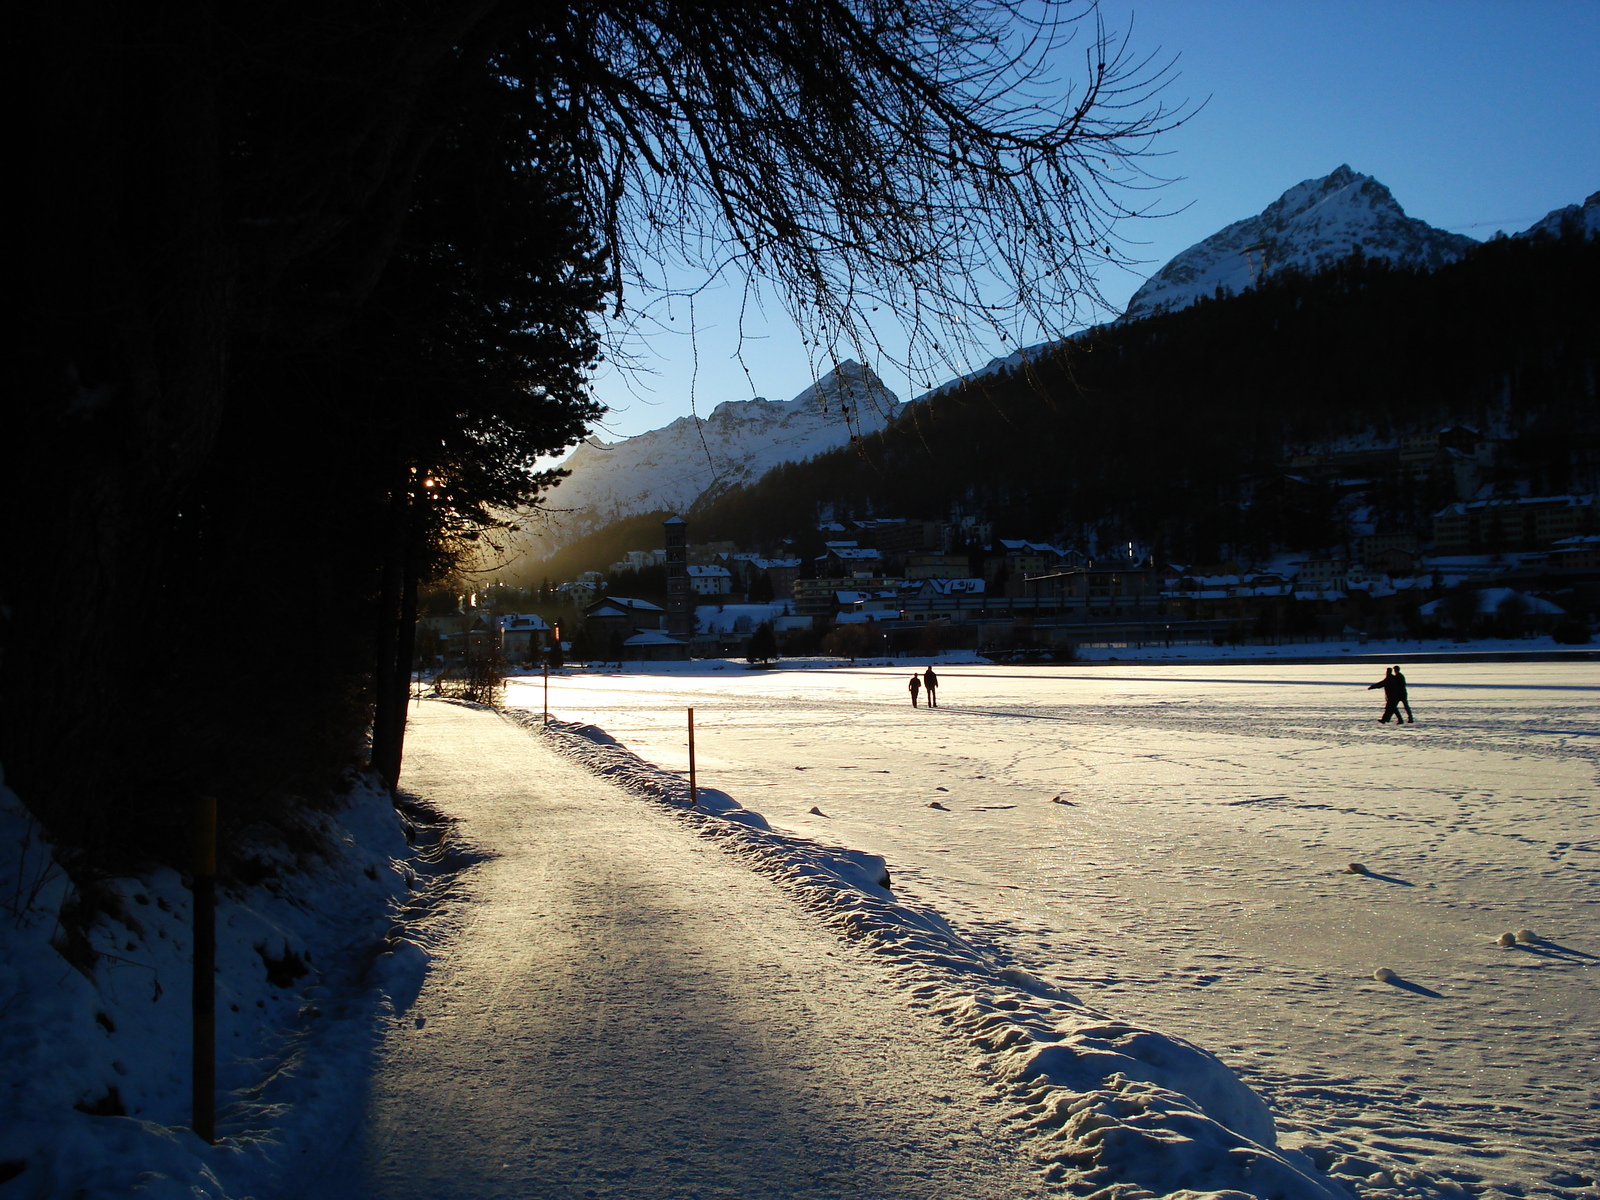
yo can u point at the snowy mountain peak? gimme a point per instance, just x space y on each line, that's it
848 391
694 459
1582 219
1310 227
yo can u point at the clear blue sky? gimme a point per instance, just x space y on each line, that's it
1479 115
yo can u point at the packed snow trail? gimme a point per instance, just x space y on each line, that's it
617 1009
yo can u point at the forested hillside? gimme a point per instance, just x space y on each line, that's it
1173 431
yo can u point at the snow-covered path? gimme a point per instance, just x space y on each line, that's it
617 1008
1195 880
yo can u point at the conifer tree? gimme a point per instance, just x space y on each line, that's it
763 646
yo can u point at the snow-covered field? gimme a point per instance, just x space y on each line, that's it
1172 844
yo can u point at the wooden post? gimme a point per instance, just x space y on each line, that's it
547 687
694 792
204 1004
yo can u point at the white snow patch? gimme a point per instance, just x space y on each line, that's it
95 1036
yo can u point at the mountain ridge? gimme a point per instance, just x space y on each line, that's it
1309 227
688 463
692 460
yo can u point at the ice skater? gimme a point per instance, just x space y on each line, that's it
914 687
930 681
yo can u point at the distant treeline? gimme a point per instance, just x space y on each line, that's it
1170 431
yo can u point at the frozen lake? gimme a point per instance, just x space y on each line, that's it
1194 875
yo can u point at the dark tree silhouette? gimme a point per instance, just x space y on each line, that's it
309 295
763 644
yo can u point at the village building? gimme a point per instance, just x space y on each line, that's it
1511 523
709 580
931 564
613 623
842 561
523 636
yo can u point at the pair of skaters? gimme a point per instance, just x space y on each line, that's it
926 680
1393 684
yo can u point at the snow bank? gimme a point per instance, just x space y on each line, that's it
95 1035
1114 1109
604 755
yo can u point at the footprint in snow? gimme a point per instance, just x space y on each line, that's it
817 812
936 804
1059 800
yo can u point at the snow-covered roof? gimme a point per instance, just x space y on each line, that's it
1491 598
522 621
653 637
710 573
712 618
629 602
1565 501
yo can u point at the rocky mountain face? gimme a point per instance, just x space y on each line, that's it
1310 227
695 459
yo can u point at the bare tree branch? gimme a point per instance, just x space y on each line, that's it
920 156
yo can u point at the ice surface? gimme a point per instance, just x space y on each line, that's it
1198 884
1114 1104
1171 977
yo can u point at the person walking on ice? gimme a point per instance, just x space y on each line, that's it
1400 697
1394 692
930 681
913 687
